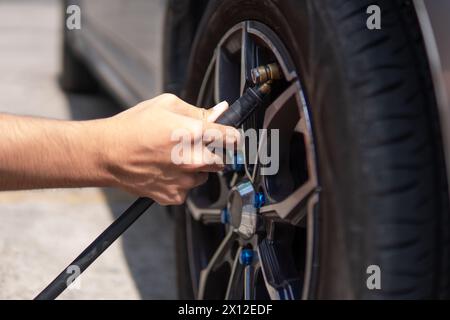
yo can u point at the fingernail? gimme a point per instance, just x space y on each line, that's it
221 106
217 111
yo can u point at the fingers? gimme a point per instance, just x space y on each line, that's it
213 160
220 133
163 199
183 108
191 180
175 104
206 115
207 118
203 159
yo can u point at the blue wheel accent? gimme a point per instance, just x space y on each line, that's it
246 257
260 200
225 216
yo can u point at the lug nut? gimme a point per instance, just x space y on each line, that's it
260 200
246 257
262 74
225 216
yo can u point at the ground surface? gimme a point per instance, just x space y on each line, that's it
42 231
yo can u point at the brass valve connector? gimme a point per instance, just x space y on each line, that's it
265 73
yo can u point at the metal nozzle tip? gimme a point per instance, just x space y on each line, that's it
266 87
256 75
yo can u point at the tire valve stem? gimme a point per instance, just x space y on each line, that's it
253 97
269 72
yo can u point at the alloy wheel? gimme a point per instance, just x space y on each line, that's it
252 235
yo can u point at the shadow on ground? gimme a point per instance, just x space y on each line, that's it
148 245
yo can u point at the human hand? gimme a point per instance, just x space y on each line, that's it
140 144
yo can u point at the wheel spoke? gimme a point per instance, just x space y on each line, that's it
279 272
249 282
217 259
234 287
311 268
249 59
227 66
279 115
293 208
207 90
206 215
205 210
275 108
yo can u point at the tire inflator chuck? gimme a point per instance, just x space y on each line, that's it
234 116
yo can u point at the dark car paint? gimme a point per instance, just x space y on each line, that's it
116 36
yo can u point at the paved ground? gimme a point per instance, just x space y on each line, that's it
42 231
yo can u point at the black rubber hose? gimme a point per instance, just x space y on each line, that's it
236 114
242 108
95 249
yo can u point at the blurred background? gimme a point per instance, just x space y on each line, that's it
42 231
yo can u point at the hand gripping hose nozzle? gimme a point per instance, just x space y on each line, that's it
235 115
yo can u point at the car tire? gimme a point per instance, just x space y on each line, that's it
75 77
384 197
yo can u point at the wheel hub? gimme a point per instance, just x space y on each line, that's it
241 207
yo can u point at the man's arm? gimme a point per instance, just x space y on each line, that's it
43 153
131 150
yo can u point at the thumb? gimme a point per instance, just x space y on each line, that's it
214 113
